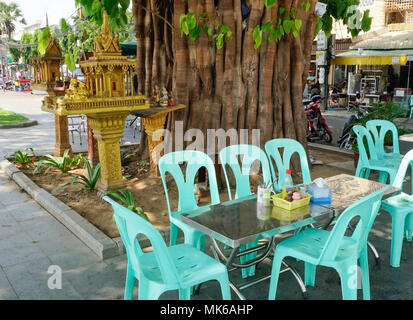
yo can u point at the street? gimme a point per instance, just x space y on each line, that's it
42 136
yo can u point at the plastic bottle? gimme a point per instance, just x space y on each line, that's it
287 184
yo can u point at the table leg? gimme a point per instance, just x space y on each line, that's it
229 262
297 277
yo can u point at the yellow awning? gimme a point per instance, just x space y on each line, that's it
372 57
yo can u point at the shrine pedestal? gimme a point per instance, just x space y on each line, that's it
154 119
62 135
108 130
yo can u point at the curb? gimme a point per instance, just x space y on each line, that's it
19 125
103 246
329 148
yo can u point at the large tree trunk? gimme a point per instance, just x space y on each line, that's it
235 87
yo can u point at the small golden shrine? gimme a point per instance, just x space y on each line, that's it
107 98
46 68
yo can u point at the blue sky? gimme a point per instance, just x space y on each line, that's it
34 10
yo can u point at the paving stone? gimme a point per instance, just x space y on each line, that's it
26 211
41 228
20 254
16 240
30 281
6 290
8 227
97 281
9 194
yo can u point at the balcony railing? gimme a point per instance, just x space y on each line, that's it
398 5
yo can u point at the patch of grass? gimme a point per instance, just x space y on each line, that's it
8 117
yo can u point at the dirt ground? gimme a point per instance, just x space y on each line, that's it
147 190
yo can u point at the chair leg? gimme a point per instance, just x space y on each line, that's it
349 279
383 177
309 273
185 294
275 273
408 227
225 289
365 278
147 291
173 236
359 172
396 239
250 271
130 283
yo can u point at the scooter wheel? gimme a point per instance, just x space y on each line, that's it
327 137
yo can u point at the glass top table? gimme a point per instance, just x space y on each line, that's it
241 221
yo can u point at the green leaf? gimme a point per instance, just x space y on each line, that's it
257 36
269 3
267 27
184 26
282 10
64 25
318 27
44 40
220 41
191 21
341 8
124 4
366 21
298 23
288 25
272 36
195 32
70 62
208 30
225 29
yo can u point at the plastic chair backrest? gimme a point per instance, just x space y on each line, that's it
362 133
283 161
130 225
401 173
379 129
250 154
366 209
169 163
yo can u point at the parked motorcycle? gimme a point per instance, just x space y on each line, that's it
348 139
8 85
317 125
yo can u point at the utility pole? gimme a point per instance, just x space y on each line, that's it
325 52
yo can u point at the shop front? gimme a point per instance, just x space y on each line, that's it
375 75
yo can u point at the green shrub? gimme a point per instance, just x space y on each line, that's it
90 181
126 199
62 163
23 157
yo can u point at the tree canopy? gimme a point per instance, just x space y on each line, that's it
10 14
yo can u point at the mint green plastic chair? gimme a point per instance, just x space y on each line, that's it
283 161
333 249
242 171
400 208
195 160
379 129
250 155
369 160
179 267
